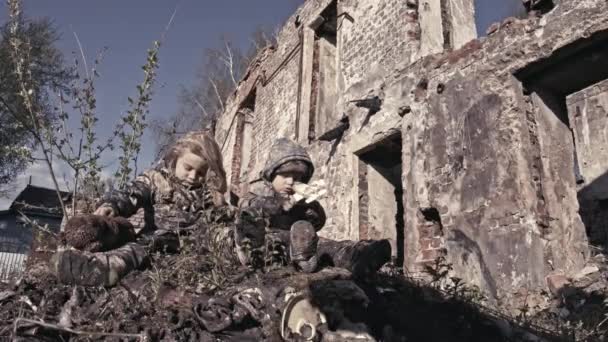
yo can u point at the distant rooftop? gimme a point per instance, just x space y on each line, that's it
35 199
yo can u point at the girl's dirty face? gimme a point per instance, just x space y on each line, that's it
191 169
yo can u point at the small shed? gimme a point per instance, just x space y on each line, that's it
18 240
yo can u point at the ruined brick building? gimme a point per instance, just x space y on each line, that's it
490 152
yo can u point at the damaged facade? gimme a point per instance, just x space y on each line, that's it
476 150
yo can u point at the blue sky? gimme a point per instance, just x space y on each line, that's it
128 29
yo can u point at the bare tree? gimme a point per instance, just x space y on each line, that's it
48 125
221 69
49 74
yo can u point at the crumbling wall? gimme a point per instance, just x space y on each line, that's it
588 113
487 178
463 29
493 161
382 206
588 110
558 219
274 77
430 13
445 25
280 94
375 36
276 105
471 171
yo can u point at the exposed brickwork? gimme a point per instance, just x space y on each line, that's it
474 146
238 151
383 34
431 244
430 255
277 102
275 74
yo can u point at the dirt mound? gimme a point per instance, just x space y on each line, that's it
196 296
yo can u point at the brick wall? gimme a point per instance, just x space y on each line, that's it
431 237
375 37
237 153
274 76
467 148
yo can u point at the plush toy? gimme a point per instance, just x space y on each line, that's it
95 233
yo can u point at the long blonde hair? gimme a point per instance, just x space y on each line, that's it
203 145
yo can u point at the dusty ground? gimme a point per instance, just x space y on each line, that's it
172 298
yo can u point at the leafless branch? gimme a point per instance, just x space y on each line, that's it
229 62
84 59
217 93
64 123
72 331
168 26
35 224
201 107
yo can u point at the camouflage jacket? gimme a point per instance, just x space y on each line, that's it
263 202
166 203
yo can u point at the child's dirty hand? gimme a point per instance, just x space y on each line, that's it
289 202
105 211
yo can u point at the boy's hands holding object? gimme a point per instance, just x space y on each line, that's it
305 192
288 202
309 192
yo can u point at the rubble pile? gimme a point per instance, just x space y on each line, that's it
193 296
578 309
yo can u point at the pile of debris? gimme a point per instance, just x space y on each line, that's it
577 307
193 296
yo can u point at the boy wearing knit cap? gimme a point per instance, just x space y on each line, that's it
274 228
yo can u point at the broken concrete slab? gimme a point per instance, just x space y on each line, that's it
557 283
587 270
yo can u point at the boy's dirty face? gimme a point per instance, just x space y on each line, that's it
191 169
283 182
